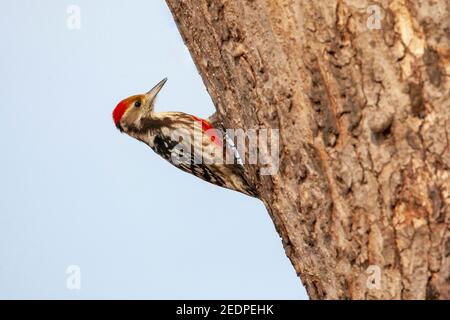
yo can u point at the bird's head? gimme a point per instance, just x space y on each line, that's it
131 110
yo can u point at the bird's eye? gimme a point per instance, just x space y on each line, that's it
137 104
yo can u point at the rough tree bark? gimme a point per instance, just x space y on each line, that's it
364 116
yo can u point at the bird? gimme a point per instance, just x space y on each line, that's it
195 145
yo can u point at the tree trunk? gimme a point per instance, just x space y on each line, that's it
360 93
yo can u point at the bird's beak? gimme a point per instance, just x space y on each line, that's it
151 95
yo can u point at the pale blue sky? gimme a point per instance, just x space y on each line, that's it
74 191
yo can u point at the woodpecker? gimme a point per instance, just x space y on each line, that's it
192 144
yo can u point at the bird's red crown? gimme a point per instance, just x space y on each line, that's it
121 108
